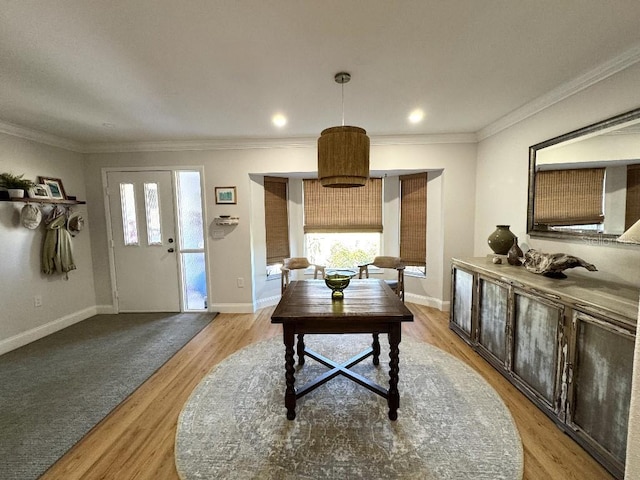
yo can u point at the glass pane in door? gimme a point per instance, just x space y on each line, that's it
194 281
190 211
152 208
129 218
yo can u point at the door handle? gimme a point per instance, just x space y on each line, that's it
170 250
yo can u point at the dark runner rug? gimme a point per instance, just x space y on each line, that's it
54 390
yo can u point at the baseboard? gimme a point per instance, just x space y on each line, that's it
42 331
268 302
105 310
231 307
441 305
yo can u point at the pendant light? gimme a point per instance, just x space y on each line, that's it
343 152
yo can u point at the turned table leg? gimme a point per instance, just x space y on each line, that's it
393 399
290 394
300 349
375 346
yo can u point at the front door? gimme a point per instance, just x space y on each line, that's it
144 242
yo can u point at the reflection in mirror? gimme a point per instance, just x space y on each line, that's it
586 183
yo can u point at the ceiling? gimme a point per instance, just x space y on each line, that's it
164 70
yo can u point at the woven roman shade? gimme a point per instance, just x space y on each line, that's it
276 219
569 197
328 210
632 212
413 219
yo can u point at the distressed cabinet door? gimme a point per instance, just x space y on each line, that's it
601 386
537 325
461 312
493 321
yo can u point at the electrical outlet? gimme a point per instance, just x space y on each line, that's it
240 282
37 301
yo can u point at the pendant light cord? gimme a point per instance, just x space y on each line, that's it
343 104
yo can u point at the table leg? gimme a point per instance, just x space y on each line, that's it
300 349
376 349
290 394
393 399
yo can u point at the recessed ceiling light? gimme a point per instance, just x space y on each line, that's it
279 120
416 116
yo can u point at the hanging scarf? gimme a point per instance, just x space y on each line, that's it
57 253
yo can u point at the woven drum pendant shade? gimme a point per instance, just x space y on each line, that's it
343 157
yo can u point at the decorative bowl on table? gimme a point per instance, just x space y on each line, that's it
337 282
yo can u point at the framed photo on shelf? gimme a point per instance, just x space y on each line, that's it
39 191
55 187
226 195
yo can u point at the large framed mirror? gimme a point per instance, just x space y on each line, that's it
586 183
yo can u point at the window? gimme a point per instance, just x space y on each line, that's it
276 217
569 197
342 226
632 213
191 248
129 218
152 209
413 222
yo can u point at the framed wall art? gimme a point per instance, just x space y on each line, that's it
226 195
55 187
39 191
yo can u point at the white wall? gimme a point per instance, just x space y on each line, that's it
241 252
503 162
63 301
502 196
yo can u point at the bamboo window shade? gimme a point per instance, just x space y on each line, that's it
569 197
331 210
632 212
276 219
413 219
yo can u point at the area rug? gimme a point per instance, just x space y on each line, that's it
54 390
451 423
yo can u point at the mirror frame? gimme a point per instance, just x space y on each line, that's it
588 130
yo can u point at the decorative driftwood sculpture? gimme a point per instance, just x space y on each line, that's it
552 264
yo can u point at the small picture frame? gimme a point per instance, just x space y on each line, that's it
226 195
56 190
39 191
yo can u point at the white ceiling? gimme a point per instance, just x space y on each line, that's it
194 70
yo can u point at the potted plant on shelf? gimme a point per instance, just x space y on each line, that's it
16 185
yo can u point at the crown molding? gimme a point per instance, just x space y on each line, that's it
605 70
238 143
267 143
40 137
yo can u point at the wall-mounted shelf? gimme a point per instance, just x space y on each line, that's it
51 201
227 220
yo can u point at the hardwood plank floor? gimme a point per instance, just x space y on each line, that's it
136 441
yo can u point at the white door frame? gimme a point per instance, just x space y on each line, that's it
107 210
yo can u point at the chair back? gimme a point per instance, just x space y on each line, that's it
387 262
297 263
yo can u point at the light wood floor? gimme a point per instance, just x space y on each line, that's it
137 439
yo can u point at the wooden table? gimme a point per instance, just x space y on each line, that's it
369 306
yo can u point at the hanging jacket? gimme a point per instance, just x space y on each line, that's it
57 252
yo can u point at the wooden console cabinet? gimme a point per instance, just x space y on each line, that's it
567 344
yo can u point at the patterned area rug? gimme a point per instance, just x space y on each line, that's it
451 423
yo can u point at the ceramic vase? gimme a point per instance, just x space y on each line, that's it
501 240
515 254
